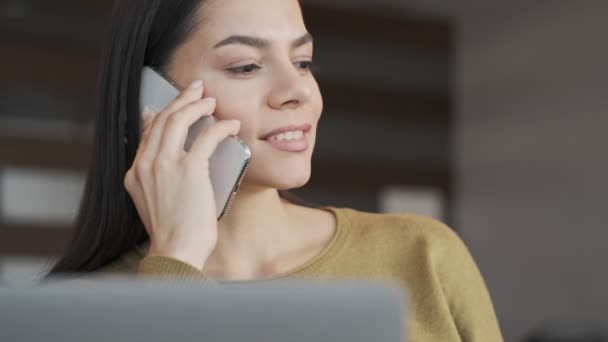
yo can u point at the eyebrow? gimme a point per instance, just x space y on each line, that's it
261 43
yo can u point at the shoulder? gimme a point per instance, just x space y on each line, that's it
406 237
400 227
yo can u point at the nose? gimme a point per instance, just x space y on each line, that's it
290 89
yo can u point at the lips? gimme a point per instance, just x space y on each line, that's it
297 143
305 128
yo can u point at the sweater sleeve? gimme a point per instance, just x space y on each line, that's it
167 268
465 290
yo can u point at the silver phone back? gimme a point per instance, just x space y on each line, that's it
227 165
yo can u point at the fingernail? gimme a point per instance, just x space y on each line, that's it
210 99
195 84
146 112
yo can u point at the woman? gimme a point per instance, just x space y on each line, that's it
148 205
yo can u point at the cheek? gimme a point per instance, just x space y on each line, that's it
231 106
316 100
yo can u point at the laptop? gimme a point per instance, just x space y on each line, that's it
152 311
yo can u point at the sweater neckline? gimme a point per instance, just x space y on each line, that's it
307 269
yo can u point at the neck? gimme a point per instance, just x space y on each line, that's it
254 232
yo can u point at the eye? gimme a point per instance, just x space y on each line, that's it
245 69
307 66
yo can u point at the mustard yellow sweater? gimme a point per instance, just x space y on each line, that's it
448 298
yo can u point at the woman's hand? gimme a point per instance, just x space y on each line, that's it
170 187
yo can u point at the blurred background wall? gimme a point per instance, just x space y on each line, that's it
489 116
530 157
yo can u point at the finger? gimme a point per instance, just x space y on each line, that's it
147 117
178 124
134 190
206 143
194 92
191 94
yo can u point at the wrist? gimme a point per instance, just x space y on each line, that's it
195 257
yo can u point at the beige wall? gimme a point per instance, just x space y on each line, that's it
531 158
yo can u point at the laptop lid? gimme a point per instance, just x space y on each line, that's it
121 310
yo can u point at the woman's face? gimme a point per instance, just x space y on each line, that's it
253 57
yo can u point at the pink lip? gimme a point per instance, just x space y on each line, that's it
305 128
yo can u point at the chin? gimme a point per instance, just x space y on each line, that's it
289 178
281 178
287 183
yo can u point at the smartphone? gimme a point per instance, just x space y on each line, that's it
229 162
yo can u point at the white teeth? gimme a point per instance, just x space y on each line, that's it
293 135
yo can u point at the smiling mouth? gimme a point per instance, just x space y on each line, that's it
287 132
295 140
287 136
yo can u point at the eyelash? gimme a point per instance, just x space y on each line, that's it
249 68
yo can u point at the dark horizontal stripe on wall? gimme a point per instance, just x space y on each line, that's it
56 67
50 22
386 66
44 153
33 239
404 105
81 23
376 139
378 25
346 175
45 105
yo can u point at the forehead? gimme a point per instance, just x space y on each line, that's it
277 20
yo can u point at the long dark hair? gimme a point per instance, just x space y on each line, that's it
142 32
